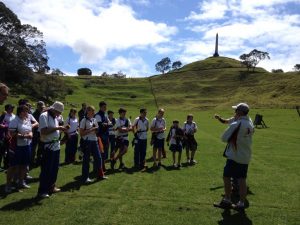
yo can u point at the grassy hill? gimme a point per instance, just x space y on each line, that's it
210 83
213 83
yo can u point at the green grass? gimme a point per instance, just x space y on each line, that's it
177 196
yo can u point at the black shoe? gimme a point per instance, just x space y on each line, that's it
223 204
122 166
112 164
238 207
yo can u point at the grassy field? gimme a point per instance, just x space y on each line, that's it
184 196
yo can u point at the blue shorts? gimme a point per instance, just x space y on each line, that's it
175 148
159 143
21 156
235 170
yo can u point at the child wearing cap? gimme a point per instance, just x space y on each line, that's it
175 138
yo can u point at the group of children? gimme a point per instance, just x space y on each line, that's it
102 136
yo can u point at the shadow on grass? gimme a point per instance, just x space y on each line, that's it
73 185
234 219
22 204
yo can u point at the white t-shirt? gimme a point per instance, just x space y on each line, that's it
189 129
87 124
47 121
23 127
141 127
8 118
31 118
121 123
159 123
73 125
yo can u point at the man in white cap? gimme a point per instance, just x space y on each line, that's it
50 132
238 153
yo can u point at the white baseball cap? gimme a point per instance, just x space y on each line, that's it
242 107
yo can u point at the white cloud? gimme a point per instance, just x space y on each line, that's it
132 66
90 28
209 10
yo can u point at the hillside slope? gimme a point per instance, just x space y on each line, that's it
210 83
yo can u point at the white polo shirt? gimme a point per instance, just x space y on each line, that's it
141 127
47 121
121 123
87 124
189 129
159 123
73 125
8 118
23 127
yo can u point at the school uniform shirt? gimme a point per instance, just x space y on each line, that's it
159 123
101 117
8 118
87 124
173 138
73 122
23 127
141 127
60 119
189 129
47 121
111 127
121 123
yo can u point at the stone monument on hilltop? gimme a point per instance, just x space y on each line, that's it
216 46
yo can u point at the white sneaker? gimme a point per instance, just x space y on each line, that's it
175 165
24 185
193 161
45 195
88 181
188 161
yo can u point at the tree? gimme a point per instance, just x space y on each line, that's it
297 67
57 72
277 71
176 65
22 49
84 71
163 65
251 59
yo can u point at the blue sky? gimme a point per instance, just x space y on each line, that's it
132 35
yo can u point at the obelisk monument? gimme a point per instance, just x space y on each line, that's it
216 46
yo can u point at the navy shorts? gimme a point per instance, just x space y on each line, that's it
159 143
121 143
21 156
235 170
175 148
